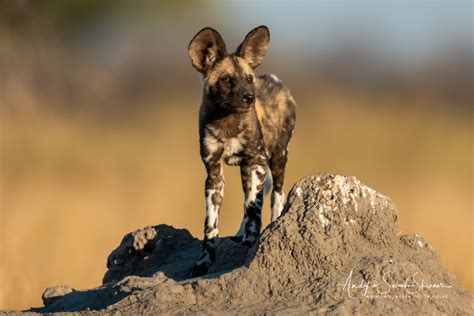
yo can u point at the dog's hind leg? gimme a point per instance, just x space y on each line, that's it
277 166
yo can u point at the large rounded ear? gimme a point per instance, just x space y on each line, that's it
206 48
255 46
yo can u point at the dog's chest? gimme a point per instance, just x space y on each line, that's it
233 147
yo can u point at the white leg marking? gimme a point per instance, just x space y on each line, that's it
211 214
254 184
252 195
278 201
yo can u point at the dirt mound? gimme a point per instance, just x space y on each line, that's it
335 249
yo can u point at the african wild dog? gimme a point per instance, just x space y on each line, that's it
244 120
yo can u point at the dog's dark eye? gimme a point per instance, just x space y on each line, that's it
249 79
226 79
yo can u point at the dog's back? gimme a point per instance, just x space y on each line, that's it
276 110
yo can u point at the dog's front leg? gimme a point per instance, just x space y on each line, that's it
253 174
214 189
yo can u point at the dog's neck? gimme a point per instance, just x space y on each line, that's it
224 124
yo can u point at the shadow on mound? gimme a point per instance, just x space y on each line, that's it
151 253
172 251
75 301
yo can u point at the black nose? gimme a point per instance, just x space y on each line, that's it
249 97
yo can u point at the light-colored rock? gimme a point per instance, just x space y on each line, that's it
54 292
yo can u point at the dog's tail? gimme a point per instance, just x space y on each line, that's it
268 184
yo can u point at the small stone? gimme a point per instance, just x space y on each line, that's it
53 293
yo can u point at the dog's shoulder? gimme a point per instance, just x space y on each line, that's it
273 97
268 84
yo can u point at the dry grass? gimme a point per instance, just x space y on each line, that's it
71 188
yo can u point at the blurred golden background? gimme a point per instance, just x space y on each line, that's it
99 108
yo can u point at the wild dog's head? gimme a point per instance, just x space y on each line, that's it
229 78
